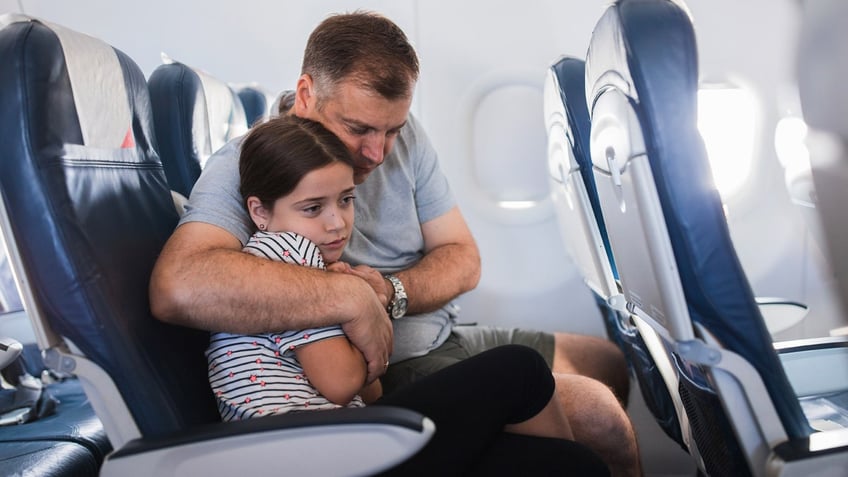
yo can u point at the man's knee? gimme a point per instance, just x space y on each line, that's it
599 421
593 357
591 405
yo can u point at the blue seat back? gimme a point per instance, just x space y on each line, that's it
597 264
194 114
88 210
677 262
571 75
255 103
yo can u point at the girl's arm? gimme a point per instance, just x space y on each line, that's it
335 367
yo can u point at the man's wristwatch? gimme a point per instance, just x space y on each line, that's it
397 307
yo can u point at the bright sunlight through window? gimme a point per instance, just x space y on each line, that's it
726 120
789 136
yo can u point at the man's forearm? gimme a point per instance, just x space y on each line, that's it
203 280
442 275
228 290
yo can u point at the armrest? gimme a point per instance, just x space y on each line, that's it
10 349
815 366
823 453
781 314
343 441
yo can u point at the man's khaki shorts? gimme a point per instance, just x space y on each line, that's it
464 342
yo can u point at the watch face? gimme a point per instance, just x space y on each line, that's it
399 309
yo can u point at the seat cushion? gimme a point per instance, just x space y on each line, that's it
73 422
46 458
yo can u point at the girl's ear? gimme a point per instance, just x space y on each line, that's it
258 213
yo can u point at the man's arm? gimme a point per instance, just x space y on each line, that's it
449 268
203 280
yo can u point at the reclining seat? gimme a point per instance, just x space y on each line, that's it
48 425
575 200
194 114
678 269
85 210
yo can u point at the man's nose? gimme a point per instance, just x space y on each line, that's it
373 148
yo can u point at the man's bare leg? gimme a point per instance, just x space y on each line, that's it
598 421
593 357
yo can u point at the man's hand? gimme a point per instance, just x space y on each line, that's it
371 276
371 333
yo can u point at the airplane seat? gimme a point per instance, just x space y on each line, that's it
40 419
86 208
677 266
194 114
255 102
575 198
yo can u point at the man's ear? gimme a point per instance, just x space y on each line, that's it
304 96
259 214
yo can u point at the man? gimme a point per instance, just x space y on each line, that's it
358 76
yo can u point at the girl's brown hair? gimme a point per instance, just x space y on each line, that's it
276 155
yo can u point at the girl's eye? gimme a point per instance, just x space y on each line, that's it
312 209
347 200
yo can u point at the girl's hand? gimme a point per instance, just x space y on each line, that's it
374 278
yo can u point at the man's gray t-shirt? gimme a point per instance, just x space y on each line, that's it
407 190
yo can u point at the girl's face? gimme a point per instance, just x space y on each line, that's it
320 208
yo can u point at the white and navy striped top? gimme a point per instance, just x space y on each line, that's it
258 375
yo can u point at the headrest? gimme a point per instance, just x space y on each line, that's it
646 50
255 102
194 114
103 123
225 113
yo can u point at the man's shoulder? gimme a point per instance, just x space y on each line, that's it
224 162
229 151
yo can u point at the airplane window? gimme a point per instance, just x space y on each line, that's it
789 141
726 120
790 137
501 158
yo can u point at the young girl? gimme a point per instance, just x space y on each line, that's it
495 413
297 181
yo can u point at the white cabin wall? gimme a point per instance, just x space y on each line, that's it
483 63
481 97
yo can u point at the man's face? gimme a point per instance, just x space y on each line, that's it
365 121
